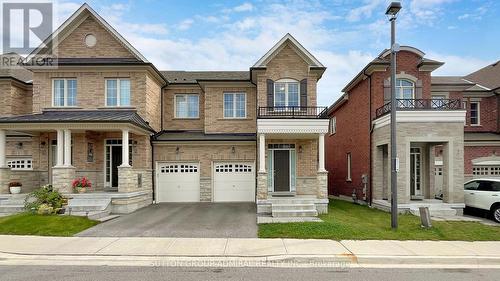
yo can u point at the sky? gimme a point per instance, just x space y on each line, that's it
343 35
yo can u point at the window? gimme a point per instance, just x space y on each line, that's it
348 167
20 163
333 125
187 106
235 105
286 93
474 114
438 101
64 92
472 185
486 171
405 91
117 92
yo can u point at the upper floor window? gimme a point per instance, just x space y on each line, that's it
187 106
333 125
286 93
64 92
234 105
474 113
405 89
117 92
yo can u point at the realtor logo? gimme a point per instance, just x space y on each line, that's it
25 25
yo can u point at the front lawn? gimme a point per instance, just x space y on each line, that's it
349 221
50 225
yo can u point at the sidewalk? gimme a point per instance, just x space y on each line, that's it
267 252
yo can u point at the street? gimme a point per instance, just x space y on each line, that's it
105 273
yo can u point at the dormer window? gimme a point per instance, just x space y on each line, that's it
286 93
64 92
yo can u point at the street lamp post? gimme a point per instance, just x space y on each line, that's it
392 12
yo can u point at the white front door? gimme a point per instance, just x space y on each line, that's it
415 172
234 182
178 182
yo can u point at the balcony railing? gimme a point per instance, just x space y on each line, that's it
299 112
421 104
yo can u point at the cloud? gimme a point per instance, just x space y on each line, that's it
185 24
457 65
364 11
245 7
477 14
427 11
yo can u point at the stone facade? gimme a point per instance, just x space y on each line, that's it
262 186
206 189
62 178
4 180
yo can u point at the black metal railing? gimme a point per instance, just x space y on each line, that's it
421 104
317 112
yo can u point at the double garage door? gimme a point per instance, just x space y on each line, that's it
231 182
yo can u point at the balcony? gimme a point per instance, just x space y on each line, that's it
421 104
292 112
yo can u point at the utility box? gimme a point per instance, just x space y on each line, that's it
425 217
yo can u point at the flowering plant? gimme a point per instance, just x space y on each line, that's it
80 183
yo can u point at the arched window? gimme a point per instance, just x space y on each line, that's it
286 93
405 89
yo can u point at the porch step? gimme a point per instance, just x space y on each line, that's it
266 219
11 208
294 213
294 201
88 204
93 215
303 207
439 212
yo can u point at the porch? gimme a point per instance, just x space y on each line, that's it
291 179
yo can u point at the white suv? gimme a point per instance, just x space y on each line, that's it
484 194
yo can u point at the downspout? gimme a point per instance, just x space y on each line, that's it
153 174
370 132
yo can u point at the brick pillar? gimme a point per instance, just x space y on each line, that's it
322 191
127 179
261 185
62 178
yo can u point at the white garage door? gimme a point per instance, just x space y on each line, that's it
234 182
178 182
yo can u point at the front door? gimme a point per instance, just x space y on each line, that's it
281 170
415 173
116 160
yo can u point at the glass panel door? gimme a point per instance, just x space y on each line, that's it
415 172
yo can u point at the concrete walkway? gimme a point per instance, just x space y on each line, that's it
292 250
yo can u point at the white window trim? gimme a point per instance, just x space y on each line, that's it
349 165
464 105
478 114
18 159
286 81
333 125
175 106
65 92
234 105
118 94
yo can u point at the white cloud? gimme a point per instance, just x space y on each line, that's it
185 24
245 7
427 11
457 65
364 11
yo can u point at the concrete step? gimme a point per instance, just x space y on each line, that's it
294 213
291 201
12 202
108 218
92 215
436 211
264 219
88 204
304 207
11 209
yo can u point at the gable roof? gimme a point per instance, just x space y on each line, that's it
74 20
487 77
18 72
191 77
301 51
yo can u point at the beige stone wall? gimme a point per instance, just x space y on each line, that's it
153 102
15 98
169 120
421 134
214 111
286 64
107 46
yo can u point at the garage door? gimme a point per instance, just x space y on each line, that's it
178 182
234 182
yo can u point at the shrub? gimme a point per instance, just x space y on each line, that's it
15 183
42 198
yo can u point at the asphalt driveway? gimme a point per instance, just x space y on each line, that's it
196 220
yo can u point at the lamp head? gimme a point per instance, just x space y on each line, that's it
393 9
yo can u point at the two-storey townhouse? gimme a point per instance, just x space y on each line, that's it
358 145
142 135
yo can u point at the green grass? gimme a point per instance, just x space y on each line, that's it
349 221
53 225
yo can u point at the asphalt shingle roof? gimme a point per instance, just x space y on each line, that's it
82 116
449 80
174 77
488 76
201 136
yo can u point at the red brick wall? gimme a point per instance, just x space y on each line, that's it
488 115
473 152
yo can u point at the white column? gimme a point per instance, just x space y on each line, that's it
3 162
262 153
67 148
125 149
60 148
321 153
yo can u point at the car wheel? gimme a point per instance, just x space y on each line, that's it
495 212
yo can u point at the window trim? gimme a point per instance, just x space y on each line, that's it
332 127
349 167
286 81
118 92
234 105
175 106
65 94
478 114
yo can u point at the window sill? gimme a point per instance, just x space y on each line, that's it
477 125
62 107
186 118
116 107
348 180
234 118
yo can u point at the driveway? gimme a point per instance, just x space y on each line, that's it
205 220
